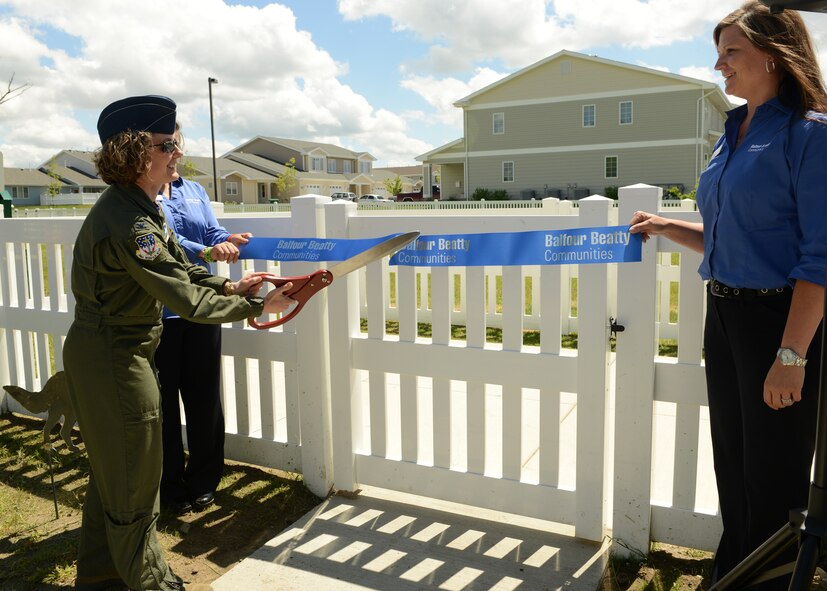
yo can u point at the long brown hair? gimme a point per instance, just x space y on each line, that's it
785 38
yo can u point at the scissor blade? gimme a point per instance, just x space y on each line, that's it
383 249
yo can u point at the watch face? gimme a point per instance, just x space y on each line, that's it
787 357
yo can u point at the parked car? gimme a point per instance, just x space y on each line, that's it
346 195
371 198
417 195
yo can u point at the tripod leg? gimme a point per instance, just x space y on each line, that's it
743 574
805 565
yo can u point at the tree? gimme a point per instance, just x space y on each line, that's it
13 91
187 169
394 187
54 186
287 179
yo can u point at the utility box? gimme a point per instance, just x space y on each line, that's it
5 198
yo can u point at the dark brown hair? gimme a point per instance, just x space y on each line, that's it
785 38
124 157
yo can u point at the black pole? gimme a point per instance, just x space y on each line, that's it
210 82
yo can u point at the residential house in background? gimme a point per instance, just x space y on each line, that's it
26 185
69 177
321 168
572 125
237 182
411 175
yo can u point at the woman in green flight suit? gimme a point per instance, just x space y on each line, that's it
127 266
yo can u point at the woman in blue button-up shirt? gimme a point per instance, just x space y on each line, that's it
189 358
763 202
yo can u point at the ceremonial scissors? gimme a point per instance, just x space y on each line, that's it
306 286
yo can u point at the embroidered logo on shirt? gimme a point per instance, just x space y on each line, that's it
148 249
757 147
140 227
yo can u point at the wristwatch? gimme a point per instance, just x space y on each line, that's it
790 357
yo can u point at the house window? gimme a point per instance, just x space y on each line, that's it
589 116
231 188
316 163
331 165
364 167
499 123
19 192
611 167
348 166
625 112
508 172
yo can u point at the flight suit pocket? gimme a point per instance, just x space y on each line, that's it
144 456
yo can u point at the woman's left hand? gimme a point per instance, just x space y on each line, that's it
239 239
782 388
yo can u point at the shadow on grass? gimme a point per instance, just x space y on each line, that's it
37 551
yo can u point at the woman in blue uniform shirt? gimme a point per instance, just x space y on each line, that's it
189 358
763 202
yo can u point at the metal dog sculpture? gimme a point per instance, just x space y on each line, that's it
52 399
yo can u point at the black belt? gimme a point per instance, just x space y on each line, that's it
722 290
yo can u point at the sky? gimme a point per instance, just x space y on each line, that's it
379 76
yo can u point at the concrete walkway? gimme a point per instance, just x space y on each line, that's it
371 543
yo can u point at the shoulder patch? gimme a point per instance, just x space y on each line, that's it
148 248
140 226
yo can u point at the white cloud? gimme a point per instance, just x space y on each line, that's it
520 32
272 78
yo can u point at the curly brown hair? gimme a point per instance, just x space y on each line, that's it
124 157
784 36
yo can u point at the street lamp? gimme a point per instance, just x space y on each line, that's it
210 82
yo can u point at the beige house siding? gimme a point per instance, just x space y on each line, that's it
656 166
561 123
557 79
452 182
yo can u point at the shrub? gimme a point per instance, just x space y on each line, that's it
479 194
500 195
610 192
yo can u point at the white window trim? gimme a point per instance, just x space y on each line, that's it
320 160
347 166
620 112
617 166
583 116
231 188
331 165
494 124
513 171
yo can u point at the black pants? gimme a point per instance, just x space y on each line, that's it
762 456
189 361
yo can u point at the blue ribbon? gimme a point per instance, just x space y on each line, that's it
608 244
307 249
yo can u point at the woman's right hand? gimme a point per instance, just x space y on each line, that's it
647 224
277 300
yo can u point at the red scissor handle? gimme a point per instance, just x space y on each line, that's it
304 287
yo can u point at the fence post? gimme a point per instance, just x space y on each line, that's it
313 362
593 356
343 320
635 383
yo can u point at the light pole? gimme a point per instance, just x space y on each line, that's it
210 82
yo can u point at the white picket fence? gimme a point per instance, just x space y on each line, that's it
606 443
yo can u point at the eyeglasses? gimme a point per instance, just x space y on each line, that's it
168 146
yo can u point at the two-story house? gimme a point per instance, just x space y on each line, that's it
321 168
572 125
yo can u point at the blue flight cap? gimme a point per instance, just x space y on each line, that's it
139 113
